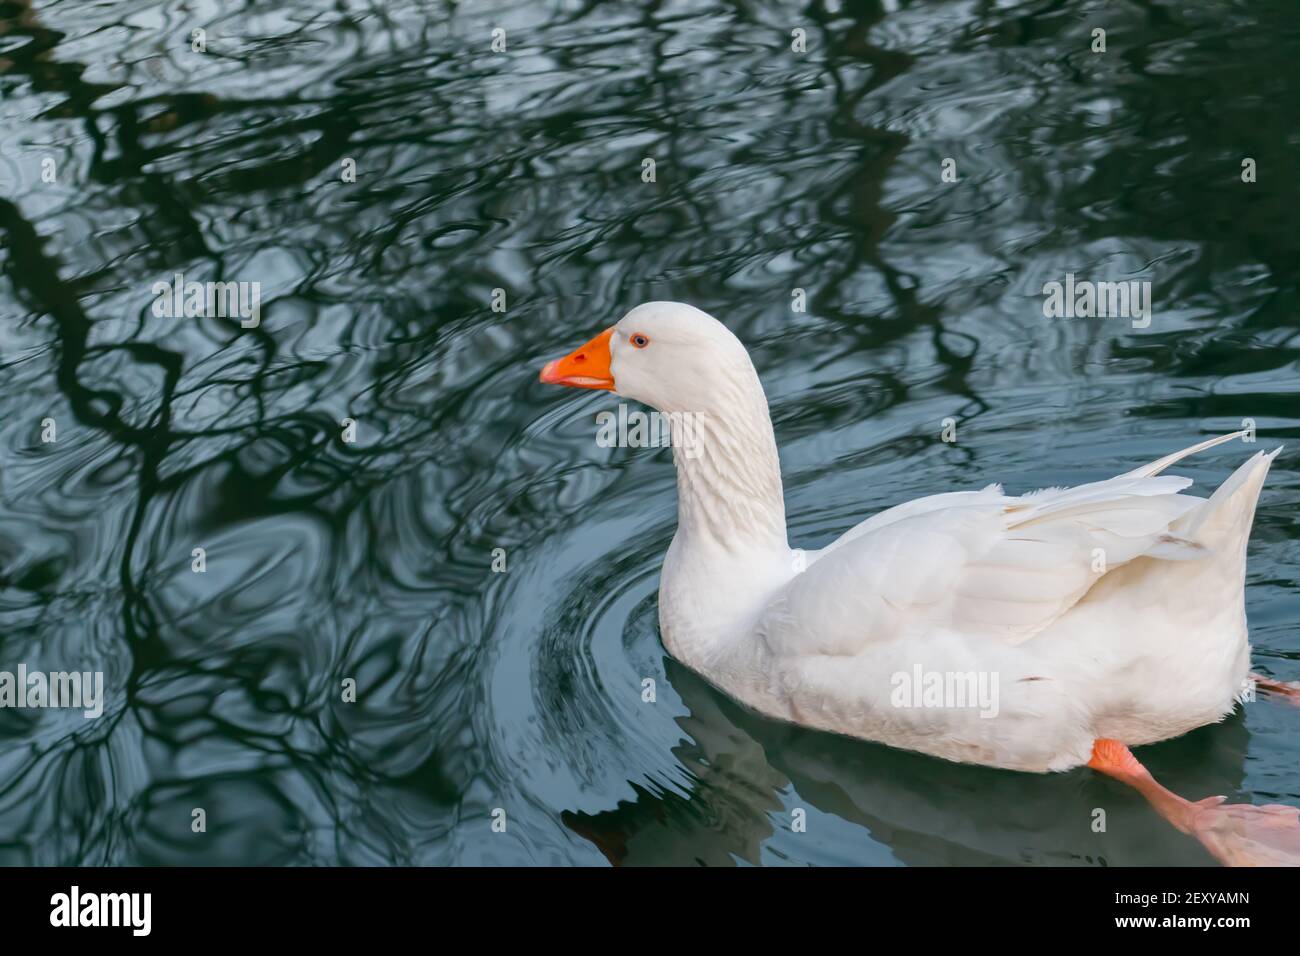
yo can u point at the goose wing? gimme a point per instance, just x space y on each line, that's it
978 564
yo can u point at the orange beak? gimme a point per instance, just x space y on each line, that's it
586 367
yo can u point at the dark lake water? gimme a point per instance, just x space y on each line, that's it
126 157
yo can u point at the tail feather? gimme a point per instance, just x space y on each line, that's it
1153 469
1229 513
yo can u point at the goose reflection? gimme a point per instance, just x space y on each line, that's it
750 773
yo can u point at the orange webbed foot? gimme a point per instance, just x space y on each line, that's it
1286 691
1237 834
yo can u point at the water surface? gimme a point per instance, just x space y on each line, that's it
521 171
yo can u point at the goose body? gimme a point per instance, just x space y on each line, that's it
1113 609
1037 632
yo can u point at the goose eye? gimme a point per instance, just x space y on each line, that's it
639 340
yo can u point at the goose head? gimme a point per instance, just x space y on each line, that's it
688 365
668 355
730 549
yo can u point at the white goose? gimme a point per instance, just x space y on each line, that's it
1104 616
